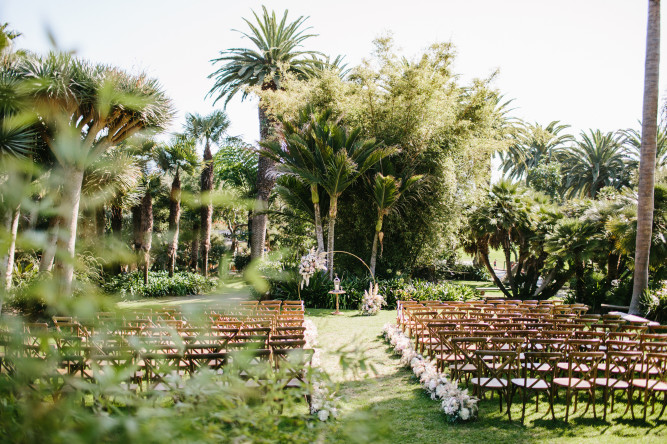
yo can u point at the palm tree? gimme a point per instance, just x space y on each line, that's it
596 161
534 144
207 129
102 106
387 190
179 155
341 156
574 242
633 140
296 155
647 156
276 54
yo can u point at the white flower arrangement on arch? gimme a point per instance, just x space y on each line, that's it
310 263
457 404
372 301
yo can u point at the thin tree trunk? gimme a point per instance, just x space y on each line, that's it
174 221
510 276
100 221
265 183
71 198
49 252
319 233
494 277
580 285
376 238
647 156
116 230
333 209
8 262
207 206
146 231
194 246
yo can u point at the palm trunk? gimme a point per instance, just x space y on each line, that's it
333 209
318 221
116 230
174 221
207 206
647 156
146 225
265 183
8 262
580 285
510 276
494 277
376 238
49 252
194 246
71 199
100 221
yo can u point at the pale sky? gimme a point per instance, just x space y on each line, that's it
577 61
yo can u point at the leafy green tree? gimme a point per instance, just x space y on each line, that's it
296 154
574 242
343 156
546 178
207 129
595 161
443 130
533 145
387 191
276 53
179 155
84 110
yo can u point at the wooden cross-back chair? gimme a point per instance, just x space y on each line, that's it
653 380
465 362
619 368
538 370
582 370
495 371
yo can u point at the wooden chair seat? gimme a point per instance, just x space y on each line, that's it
533 383
490 383
582 368
650 384
575 383
616 384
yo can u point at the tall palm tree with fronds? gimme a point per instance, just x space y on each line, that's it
387 191
207 129
645 187
277 51
534 144
596 160
295 154
179 155
341 156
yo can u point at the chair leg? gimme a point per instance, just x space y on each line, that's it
606 399
645 402
551 403
523 408
567 407
664 404
592 399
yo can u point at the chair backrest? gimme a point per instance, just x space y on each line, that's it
621 364
655 366
464 348
539 367
493 365
548 345
583 367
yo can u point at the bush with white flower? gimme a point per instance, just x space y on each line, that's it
372 301
310 263
457 404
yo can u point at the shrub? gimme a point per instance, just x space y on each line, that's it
440 271
655 304
131 285
241 261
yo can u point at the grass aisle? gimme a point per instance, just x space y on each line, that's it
390 406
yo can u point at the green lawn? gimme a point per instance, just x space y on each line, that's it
390 406
386 404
